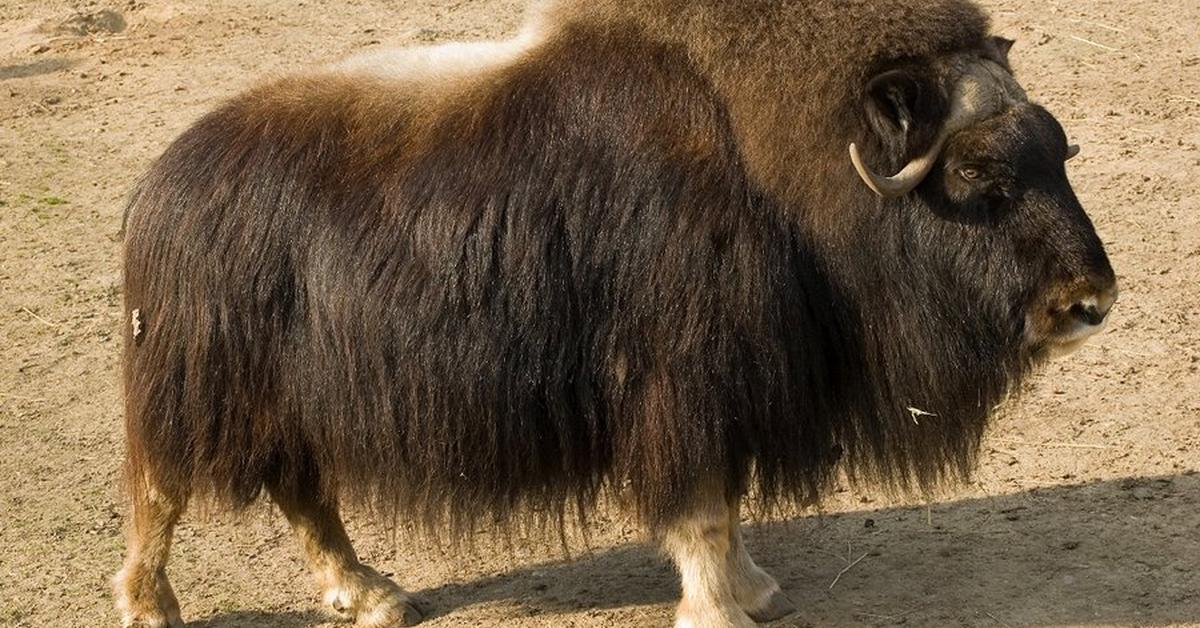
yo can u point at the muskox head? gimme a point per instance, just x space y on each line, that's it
982 169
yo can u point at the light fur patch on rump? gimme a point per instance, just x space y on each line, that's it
442 64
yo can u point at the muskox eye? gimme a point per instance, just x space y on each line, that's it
969 173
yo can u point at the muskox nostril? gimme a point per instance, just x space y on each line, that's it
1089 313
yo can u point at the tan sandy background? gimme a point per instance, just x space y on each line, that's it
1085 511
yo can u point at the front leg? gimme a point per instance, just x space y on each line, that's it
701 545
754 589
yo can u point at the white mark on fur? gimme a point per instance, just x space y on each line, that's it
135 321
916 413
338 599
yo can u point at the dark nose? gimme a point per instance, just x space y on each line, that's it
1094 308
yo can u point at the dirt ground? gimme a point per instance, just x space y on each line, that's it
1085 511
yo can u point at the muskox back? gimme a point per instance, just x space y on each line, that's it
448 311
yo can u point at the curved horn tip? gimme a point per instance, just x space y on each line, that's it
863 173
1072 151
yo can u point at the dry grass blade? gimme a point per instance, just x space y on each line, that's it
39 318
1092 43
845 569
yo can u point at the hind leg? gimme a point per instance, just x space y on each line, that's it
143 593
755 590
351 587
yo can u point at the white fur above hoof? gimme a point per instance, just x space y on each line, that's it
146 600
731 616
151 620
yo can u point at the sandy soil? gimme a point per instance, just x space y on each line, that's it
1086 510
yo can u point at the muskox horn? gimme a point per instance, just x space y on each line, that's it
902 182
915 171
984 90
1072 151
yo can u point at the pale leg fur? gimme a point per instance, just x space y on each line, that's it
143 593
722 586
700 545
350 587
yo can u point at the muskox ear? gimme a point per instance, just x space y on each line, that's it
902 109
996 48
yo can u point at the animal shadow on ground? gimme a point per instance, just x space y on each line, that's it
247 619
1114 552
1124 551
35 68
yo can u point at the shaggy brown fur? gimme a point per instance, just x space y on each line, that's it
425 311
635 257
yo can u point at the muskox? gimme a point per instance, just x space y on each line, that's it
627 252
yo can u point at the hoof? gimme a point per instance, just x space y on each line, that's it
146 600
776 607
372 600
145 621
391 614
